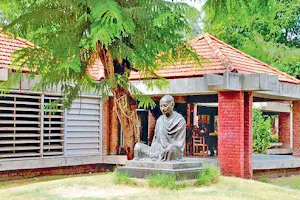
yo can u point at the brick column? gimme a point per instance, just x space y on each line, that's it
188 113
296 128
106 126
114 131
248 100
284 129
195 122
235 133
151 126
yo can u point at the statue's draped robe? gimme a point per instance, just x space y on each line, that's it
168 140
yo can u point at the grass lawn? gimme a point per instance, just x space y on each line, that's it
26 181
101 186
288 182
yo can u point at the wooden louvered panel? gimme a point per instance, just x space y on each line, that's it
19 102
83 151
27 129
19 115
52 153
84 123
53 134
19 109
83 133
83 129
19 141
53 140
53 126
23 122
47 147
83 146
19 135
22 96
84 112
54 116
18 122
14 155
87 101
82 140
52 111
76 117
19 129
85 106
87 134
53 122
17 148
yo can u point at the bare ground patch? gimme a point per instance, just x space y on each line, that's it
89 191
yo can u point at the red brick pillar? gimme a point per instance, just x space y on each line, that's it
188 113
151 126
114 131
106 126
248 100
235 133
195 122
296 128
284 129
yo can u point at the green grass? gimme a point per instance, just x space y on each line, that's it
264 179
209 176
162 180
288 182
102 186
123 179
26 181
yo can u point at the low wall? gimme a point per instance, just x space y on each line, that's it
63 161
275 173
30 173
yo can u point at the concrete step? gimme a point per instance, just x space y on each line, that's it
279 151
180 174
164 165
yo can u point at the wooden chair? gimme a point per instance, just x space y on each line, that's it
188 148
199 146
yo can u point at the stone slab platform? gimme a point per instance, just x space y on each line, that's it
181 169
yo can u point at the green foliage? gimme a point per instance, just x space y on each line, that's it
264 179
123 179
163 180
208 176
266 29
274 138
260 131
71 35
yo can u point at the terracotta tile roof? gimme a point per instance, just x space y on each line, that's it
221 57
8 44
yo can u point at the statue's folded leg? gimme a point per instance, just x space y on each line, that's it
141 151
173 153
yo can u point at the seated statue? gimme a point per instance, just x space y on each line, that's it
169 135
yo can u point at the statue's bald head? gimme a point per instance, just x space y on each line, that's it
166 104
167 99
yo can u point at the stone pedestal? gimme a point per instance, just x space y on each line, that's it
181 169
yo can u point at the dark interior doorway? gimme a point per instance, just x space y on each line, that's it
143 115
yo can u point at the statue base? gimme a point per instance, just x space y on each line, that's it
181 169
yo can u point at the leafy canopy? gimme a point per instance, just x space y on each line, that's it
70 35
266 29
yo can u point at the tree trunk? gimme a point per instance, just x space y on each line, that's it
128 117
124 107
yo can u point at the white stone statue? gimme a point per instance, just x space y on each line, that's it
169 135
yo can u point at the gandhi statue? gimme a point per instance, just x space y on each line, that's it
169 135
